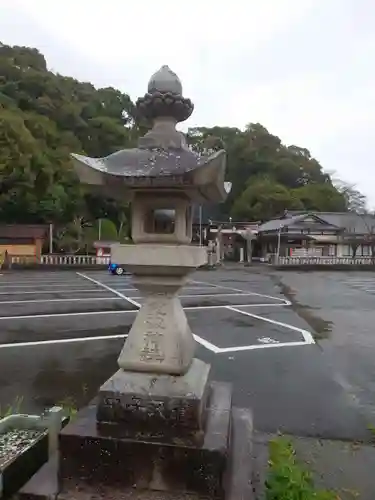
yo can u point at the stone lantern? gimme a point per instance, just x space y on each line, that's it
162 178
157 423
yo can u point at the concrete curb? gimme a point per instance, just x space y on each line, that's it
240 471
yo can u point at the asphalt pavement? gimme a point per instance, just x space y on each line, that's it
298 348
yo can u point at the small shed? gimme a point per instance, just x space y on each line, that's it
23 239
103 250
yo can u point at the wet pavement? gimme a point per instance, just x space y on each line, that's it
298 348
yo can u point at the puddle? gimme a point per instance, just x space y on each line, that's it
321 328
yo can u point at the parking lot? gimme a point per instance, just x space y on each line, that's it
61 333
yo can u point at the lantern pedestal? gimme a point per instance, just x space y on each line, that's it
160 340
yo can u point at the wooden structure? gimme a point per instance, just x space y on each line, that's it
23 239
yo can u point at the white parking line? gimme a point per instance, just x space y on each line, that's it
3 286
126 311
196 296
93 299
203 342
39 292
61 341
79 299
308 338
284 301
63 315
254 347
113 290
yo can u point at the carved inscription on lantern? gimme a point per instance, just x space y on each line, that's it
152 349
148 407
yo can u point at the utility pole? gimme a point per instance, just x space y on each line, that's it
200 225
51 238
278 242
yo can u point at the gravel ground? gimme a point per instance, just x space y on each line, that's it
14 441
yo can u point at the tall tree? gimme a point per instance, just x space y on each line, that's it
355 201
263 199
45 116
321 197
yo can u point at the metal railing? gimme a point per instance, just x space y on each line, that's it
328 261
61 260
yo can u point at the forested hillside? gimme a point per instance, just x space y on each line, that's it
45 116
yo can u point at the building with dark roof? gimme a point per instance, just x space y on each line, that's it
339 234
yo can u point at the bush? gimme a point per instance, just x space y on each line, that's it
286 479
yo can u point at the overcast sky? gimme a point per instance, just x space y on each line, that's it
305 69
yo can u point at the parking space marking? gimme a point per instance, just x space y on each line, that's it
284 301
307 337
78 299
56 315
127 311
62 341
3 286
204 286
68 290
109 289
67 279
196 296
203 342
94 299
254 347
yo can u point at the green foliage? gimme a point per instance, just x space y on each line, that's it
46 116
43 118
108 230
286 479
69 407
12 409
322 197
261 167
371 428
262 199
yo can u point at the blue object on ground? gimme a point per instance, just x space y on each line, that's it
116 269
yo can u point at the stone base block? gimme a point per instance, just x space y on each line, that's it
87 457
163 407
238 482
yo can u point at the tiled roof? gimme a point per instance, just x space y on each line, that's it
348 221
275 224
23 231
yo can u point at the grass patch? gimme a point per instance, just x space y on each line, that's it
12 408
371 428
68 405
287 479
